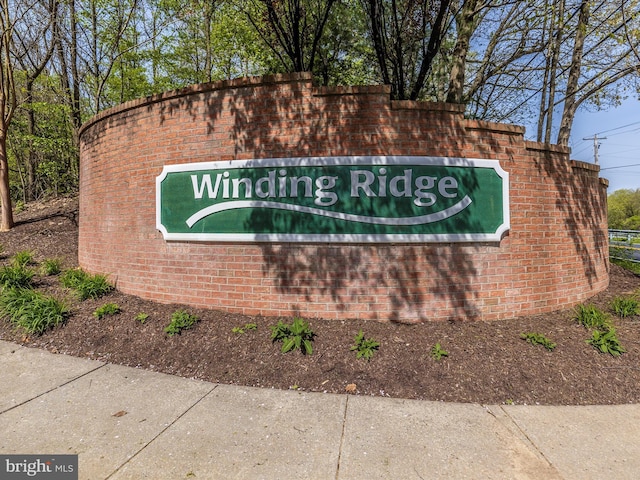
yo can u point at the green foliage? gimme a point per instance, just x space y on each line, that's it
31 310
180 320
590 316
538 339
298 335
106 309
624 209
437 352
51 266
627 265
625 306
43 154
86 286
606 340
22 258
245 328
142 317
364 348
16 276
603 335
74 277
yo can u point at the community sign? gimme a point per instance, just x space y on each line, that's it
335 199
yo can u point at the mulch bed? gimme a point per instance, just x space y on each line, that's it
487 362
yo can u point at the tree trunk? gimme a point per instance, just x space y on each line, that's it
32 159
571 103
6 217
465 26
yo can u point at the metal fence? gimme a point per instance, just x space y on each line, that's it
624 245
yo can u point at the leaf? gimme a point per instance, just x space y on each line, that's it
288 344
308 347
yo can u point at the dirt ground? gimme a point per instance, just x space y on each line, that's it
487 362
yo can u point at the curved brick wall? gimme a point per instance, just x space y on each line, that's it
554 256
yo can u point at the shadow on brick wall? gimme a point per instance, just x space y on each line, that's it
400 280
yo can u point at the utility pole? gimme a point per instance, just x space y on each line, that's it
596 145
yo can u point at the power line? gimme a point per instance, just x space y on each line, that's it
621 166
596 146
619 128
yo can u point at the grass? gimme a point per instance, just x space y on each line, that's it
51 266
627 265
16 276
22 258
625 306
590 316
86 285
31 310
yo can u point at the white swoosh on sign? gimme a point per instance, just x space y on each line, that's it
403 221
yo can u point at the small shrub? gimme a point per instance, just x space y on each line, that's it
437 352
87 286
364 348
31 310
606 340
245 328
106 309
180 320
16 276
538 339
625 306
142 317
22 258
590 316
298 335
73 277
51 266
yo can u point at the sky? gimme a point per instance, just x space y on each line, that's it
619 152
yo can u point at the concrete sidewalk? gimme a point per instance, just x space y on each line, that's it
126 423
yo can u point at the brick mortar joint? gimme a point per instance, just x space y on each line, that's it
303 78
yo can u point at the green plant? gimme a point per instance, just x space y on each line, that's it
31 310
106 309
142 317
298 335
606 340
16 276
590 316
245 328
627 265
180 320
438 352
364 348
538 339
22 258
625 306
51 266
87 286
73 277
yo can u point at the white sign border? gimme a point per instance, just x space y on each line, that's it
338 238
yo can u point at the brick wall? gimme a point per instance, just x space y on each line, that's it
554 256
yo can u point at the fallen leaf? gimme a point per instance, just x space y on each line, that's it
351 388
121 413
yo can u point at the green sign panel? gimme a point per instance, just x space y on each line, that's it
335 199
